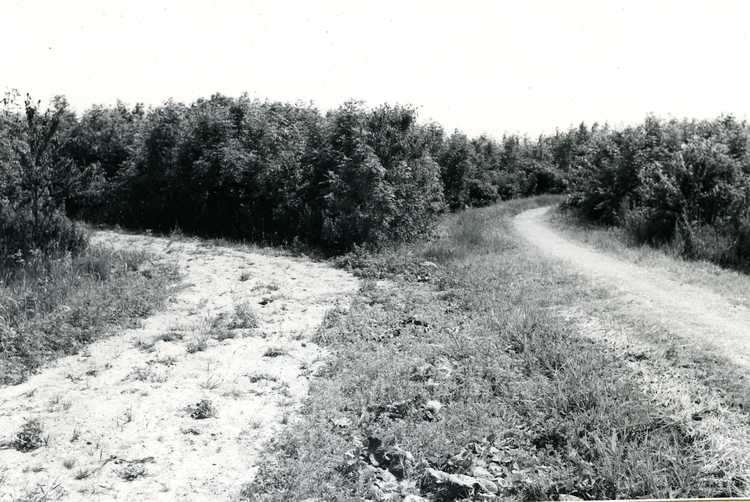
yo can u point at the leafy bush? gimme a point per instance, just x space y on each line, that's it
682 183
276 172
36 178
202 409
250 169
263 171
380 182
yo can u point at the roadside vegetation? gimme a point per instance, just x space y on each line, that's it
57 293
276 172
55 306
223 167
285 173
452 377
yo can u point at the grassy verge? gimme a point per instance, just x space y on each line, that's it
54 307
454 379
704 387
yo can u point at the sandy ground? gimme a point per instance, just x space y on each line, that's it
121 409
691 312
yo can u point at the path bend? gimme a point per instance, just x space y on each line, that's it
691 312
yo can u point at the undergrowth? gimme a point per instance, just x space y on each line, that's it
55 306
458 365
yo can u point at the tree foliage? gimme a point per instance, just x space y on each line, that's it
251 169
262 170
681 182
36 179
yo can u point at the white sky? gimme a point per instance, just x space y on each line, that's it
482 66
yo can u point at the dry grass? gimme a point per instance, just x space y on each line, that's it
244 317
560 413
202 332
43 492
81 474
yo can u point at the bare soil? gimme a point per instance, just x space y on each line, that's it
119 420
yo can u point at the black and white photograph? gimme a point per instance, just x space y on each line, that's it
374 250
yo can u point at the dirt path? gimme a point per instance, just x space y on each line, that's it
699 316
118 417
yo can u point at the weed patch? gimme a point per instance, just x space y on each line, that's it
55 307
132 471
456 381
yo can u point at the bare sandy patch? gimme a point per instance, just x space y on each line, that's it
178 408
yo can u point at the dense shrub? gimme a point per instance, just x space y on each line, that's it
263 171
686 183
478 172
250 169
36 178
280 172
380 181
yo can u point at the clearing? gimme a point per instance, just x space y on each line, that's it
179 407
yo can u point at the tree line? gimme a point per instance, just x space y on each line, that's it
249 169
279 172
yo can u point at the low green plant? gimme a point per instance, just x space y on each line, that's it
275 352
202 409
30 436
132 471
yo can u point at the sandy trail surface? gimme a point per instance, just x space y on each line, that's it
698 315
118 416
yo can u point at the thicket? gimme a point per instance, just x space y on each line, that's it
685 184
36 178
280 172
276 172
56 293
250 169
